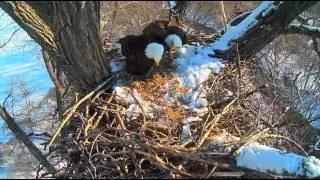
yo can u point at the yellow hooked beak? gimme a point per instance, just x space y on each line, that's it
173 48
157 63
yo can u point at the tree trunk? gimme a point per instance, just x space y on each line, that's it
70 34
77 33
58 80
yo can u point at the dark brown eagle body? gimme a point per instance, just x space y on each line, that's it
160 29
133 48
156 30
179 32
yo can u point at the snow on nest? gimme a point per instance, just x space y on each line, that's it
133 101
273 160
194 68
117 65
266 159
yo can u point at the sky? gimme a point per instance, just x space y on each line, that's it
20 59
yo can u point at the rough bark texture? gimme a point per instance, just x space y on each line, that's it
69 35
57 78
303 29
30 20
21 136
69 32
268 28
77 30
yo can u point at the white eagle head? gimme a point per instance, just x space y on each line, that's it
155 51
174 42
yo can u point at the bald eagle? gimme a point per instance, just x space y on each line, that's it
156 30
166 31
141 53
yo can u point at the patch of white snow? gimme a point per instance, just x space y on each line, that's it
117 65
235 32
266 159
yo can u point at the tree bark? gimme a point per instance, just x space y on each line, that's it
303 29
21 136
266 29
69 32
58 80
77 33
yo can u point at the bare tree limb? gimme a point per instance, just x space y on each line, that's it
178 11
303 29
6 42
224 16
21 136
5 99
258 29
315 46
30 20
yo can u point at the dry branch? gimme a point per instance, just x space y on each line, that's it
22 136
74 108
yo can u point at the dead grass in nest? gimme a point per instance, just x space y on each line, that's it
153 87
100 143
154 90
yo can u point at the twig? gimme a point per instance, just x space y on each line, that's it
224 16
212 171
286 138
228 174
4 102
140 105
74 108
249 140
163 164
216 119
162 149
6 42
221 103
120 121
21 136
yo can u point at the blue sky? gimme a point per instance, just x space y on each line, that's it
21 59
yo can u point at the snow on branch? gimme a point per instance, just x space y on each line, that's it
303 29
312 21
236 32
172 4
259 28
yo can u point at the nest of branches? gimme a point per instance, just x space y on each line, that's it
98 142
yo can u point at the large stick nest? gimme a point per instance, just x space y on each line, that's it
99 142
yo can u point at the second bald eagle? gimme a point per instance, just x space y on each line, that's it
168 32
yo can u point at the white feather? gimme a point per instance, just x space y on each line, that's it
154 51
173 39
